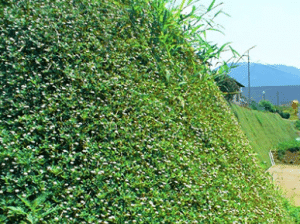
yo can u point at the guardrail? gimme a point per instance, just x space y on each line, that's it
272 159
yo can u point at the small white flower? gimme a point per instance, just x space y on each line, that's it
111 217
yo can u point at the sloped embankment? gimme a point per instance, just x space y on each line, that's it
100 124
264 130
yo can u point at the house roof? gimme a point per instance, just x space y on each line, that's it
239 84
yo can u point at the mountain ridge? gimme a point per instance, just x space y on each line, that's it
265 75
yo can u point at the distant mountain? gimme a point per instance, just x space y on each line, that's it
266 75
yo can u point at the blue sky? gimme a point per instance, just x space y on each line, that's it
272 25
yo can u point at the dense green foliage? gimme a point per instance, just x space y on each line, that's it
255 106
108 116
292 146
297 124
266 132
284 115
265 105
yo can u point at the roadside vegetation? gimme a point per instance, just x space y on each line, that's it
267 130
109 115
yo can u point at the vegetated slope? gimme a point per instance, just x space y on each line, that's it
264 130
91 130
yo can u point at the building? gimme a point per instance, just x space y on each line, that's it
237 97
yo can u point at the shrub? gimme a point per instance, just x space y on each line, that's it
292 146
254 106
267 105
297 124
271 108
284 115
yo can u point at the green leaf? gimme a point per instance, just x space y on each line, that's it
32 219
182 3
204 33
16 210
39 200
181 101
196 28
26 202
167 75
234 52
211 5
190 2
50 211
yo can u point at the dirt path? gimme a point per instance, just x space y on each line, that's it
288 178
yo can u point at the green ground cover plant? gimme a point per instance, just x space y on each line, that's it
264 130
262 142
265 105
256 106
297 124
287 108
292 146
109 115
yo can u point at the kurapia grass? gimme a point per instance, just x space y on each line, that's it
108 115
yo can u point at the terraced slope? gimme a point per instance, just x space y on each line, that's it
102 122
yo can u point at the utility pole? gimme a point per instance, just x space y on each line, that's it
249 78
248 71
277 98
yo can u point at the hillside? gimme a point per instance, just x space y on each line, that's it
266 75
107 116
264 130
